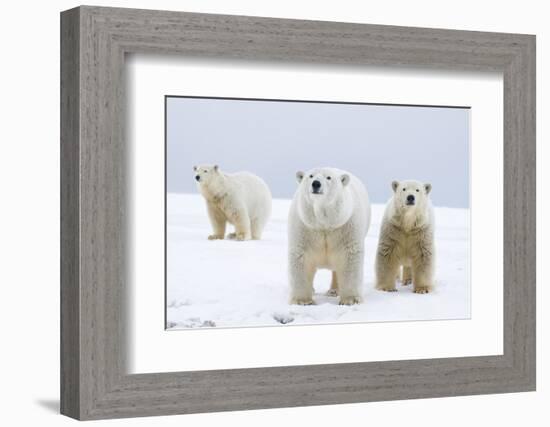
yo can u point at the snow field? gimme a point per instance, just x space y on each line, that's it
226 283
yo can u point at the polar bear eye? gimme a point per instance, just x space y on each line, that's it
205 171
329 178
417 190
404 189
311 176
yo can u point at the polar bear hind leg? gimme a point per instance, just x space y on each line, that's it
241 221
333 291
256 228
406 278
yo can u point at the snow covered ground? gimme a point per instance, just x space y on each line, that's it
226 283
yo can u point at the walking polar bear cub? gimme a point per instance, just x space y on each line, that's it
328 220
407 239
242 199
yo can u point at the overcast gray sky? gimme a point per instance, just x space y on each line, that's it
377 143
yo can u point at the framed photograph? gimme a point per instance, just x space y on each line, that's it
262 213
214 282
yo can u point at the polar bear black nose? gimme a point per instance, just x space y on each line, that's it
197 177
316 185
410 198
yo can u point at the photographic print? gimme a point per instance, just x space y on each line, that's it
291 212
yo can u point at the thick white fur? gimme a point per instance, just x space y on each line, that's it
328 231
242 199
407 239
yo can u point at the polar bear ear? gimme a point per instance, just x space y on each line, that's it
345 179
216 168
428 188
394 185
299 176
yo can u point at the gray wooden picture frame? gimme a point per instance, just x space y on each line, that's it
94 41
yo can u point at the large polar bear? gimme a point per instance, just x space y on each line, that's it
242 199
407 239
328 220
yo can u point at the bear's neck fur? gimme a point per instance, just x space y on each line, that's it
323 214
409 219
215 190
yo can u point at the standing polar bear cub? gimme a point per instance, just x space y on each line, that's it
242 199
407 239
328 220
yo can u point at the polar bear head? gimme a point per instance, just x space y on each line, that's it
207 176
324 200
411 206
411 194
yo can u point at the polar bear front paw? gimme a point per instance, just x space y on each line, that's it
350 300
386 288
215 237
237 236
421 290
301 300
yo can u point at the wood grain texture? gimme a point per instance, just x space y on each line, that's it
70 220
94 272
